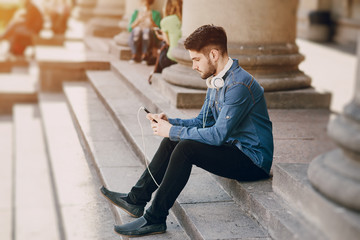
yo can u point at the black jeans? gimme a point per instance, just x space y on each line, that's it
171 168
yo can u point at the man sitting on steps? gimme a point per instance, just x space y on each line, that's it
231 137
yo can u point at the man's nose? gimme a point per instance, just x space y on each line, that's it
194 66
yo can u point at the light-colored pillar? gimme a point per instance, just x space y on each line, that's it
109 8
105 17
336 174
83 9
314 20
346 18
261 34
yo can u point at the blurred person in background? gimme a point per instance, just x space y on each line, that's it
169 34
25 23
142 37
59 13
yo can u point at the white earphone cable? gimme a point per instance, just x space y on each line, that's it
143 142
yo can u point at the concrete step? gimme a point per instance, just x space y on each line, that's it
270 210
5 64
16 88
6 177
136 77
103 27
9 62
202 197
84 214
335 221
98 44
120 52
116 164
35 215
68 63
48 38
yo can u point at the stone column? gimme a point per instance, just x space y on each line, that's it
346 15
261 34
105 17
83 9
314 20
336 174
110 8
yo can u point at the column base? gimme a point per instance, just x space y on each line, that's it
183 97
275 66
337 178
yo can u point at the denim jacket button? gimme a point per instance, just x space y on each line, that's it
227 117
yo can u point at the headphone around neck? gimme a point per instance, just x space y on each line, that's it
218 81
215 82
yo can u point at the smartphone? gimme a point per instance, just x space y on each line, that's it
147 111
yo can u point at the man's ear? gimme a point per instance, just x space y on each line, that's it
214 54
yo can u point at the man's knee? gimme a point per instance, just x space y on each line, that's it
186 147
166 143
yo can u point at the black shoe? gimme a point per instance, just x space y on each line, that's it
139 227
119 199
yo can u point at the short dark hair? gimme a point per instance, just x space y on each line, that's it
207 35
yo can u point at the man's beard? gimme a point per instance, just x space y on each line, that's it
210 71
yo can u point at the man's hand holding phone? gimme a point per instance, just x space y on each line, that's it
159 123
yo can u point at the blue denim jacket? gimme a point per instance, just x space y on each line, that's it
235 114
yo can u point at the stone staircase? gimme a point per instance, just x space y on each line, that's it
69 143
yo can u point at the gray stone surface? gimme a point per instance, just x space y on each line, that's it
307 98
337 222
202 188
103 27
233 222
84 213
35 214
16 88
120 52
6 177
68 63
271 211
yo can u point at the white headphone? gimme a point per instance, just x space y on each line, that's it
218 81
215 82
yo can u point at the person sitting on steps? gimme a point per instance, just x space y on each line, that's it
22 27
231 137
170 34
142 37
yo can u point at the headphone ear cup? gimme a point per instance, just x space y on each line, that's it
209 82
217 82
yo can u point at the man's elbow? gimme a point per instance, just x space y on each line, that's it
219 141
